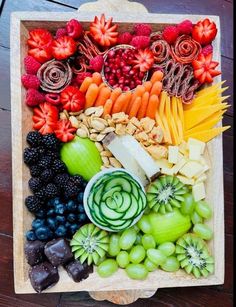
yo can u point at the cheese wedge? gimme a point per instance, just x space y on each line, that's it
206 135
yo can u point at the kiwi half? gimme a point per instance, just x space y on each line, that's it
193 255
89 243
165 193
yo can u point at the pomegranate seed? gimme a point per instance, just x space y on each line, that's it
111 54
121 80
126 88
116 85
127 81
141 75
107 69
122 64
132 72
126 68
138 82
132 84
112 82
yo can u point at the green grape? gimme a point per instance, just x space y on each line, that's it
136 271
148 241
203 209
122 259
196 218
203 231
188 205
100 260
167 248
136 228
137 254
127 239
171 264
150 266
144 224
147 210
156 256
138 239
107 268
114 248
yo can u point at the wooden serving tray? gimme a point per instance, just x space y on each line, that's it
118 288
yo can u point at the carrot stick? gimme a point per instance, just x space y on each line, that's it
115 93
118 103
97 78
128 98
107 107
91 95
143 108
147 85
85 84
138 92
103 95
152 106
157 76
156 88
101 86
135 107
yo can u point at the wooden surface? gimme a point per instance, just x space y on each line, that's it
200 296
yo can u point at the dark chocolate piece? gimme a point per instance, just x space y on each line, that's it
58 251
42 276
78 271
34 252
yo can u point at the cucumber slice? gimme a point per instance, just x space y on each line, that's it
133 209
110 192
124 183
106 212
101 180
126 202
111 203
96 220
97 195
118 198
123 226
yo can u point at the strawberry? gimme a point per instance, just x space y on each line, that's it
96 63
74 28
64 131
63 47
204 31
39 42
72 99
204 68
103 32
45 117
144 59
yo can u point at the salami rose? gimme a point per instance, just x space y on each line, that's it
161 51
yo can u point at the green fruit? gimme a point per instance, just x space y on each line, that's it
169 227
196 218
167 248
188 205
148 241
203 231
107 268
150 266
127 239
137 254
165 193
171 264
114 248
203 209
137 271
144 224
156 256
82 157
122 259
193 255
138 239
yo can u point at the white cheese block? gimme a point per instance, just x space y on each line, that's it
202 178
195 152
190 169
198 191
183 147
173 154
201 172
179 165
167 171
180 156
192 141
163 163
186 180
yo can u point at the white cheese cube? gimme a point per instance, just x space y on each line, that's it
195 152
179 165
192 141
183 147
173 154
167 171
163 163
186 180
190 169
198 190
180 156
202 178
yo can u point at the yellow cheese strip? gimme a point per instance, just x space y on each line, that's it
169 117
201 103
161 108
214 115
180 111
160 123
210 88
180 129
166 127
207 135
174 120
204 126
174 109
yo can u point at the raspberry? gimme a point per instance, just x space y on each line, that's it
124 38
140 42
96 63
185 27
74 28
30 81
170 34
142 29
207 49
61 32
31 65
81 76
34 97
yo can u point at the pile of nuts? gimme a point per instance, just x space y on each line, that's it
90 123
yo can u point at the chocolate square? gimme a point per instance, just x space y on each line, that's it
58 251
78 271
34 252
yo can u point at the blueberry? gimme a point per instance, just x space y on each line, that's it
54 201
60 219
42 233
84 184
67 224
60 231
37 223
81 208
82 217
51 212
71 217
52 223
80 197
60 208
71 206
40 214
74 228
30 235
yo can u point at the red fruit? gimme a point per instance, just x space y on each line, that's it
204 68
63 47
30 81
144 60
72 99
96 63
31 65
74 28
170 34
64 131
124 38
81 76
204 31
140 42
103 32
61 32
142 29
207 49
34 97
185 27
45 117
40 45
53 98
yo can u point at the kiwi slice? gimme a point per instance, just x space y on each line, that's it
89 243
165 193
193 255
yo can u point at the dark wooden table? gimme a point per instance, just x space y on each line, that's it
195 296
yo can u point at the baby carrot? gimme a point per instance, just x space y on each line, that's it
157 76
107 107
147 85
135 107
115 93
138 92
143 107
91 95
85 84
97 78
152 106
156 88
103 95
128 97
118 103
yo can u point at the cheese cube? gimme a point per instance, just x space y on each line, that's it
179 165
198 190
192 141
202 178
163 163
195 152
173 154
180 156
190 169
201 172
167 171
183 147
186 180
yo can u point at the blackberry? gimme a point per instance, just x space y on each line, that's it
34 138
31 156
41 150
33 203
78 180
47 175
45 162
41 194
50 141
53 154
58 166
71 190
61 179
35 184
35 170
51 190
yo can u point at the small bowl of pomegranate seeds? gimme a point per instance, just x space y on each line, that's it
121 70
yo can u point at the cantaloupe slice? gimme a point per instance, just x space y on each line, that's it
206 135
